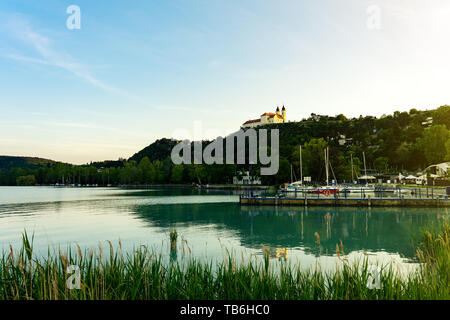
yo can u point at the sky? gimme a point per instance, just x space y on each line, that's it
137 71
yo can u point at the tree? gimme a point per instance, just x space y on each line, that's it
433 144
447 147
28 180
413 132
284 171
442 116
147 170
167 168
381 164
197 173
313 158
177 173
130 174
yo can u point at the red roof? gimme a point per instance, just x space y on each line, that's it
271 115
252 121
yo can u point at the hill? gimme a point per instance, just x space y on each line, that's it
158 150
8 162
401 142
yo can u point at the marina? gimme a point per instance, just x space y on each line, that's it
352 197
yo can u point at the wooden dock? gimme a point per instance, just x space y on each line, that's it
344 202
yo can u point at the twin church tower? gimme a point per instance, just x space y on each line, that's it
267 118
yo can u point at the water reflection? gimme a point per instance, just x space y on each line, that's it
391 230
65 216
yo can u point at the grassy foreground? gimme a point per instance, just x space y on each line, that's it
142 275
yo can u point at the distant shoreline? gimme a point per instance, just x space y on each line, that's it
162 186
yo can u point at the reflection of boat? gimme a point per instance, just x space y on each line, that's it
282 227
272 252
281 253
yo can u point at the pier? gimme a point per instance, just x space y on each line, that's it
414 199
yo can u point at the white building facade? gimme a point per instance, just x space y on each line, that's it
267 118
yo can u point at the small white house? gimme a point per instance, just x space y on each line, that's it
428 122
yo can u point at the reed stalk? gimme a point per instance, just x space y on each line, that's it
143 274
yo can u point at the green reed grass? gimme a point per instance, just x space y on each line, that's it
142 274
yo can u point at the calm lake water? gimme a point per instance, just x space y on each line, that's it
210 222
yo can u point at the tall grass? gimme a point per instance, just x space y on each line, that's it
143 275
434 252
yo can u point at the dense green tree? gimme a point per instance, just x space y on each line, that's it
447 148
284 171
381 164
314 158
28 180
177 173
147 170
433 144
412 133
402 154
442 116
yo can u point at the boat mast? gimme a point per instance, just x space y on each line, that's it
351 160
365 169
291 173
326 163
301 165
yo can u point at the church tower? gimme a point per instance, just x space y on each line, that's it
284 113
278 111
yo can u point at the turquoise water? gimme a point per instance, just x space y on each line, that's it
208 224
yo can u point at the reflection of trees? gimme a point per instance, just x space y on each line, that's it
376 229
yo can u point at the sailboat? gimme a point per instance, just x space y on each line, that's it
366 188
298 186
327 189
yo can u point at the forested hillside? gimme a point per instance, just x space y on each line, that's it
158 150
8 162
401 142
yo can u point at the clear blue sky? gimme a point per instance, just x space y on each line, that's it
137 71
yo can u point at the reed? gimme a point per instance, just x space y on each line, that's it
143 274
434 253
173 239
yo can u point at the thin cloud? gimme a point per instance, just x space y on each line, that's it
192 109
21 29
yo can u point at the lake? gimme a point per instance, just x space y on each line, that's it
209 223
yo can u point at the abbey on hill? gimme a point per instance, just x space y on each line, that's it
267 118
